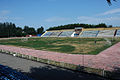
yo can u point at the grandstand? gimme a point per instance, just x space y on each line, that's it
84 32
89 34
47 34
106 33
55 34
66 34
118 33
58 33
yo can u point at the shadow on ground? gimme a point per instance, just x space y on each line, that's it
115 75
50 73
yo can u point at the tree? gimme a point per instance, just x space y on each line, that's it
10 30
109 1
110 26
40 30
72 26
32 31
101 25
19 32
26 30
29 30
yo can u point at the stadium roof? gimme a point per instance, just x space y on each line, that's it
78 27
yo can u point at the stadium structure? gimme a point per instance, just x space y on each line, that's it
84 32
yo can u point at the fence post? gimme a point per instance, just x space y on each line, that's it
103 72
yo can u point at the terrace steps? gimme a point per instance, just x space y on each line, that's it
90 32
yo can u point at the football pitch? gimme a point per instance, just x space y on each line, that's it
64 45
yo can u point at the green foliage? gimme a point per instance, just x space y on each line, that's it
40 30
10 30
29 30
72 26
109 1
19 32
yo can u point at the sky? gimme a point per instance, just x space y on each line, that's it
49 13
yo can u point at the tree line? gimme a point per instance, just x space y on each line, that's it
72 26
10 30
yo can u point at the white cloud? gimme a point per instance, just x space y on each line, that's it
97 20
4 12
7 18
105 17
4 16
56 19
113 11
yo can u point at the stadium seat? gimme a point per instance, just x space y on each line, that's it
106 33
66 34
89 33
47 34
55 34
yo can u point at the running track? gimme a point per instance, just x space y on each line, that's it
107 59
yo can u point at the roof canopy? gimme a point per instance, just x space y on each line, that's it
78 27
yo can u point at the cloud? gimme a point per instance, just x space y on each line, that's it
97 20
111 17
113 11
4 16
4 12
57 19
7 18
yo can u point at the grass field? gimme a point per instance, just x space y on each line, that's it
63 45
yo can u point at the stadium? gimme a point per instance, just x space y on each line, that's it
87 32
91 50
60 40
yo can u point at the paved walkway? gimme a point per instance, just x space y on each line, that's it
40 71
108 59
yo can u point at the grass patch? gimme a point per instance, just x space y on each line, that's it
64 45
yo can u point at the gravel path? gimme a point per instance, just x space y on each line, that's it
40 71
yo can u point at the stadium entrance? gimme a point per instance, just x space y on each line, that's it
78 30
